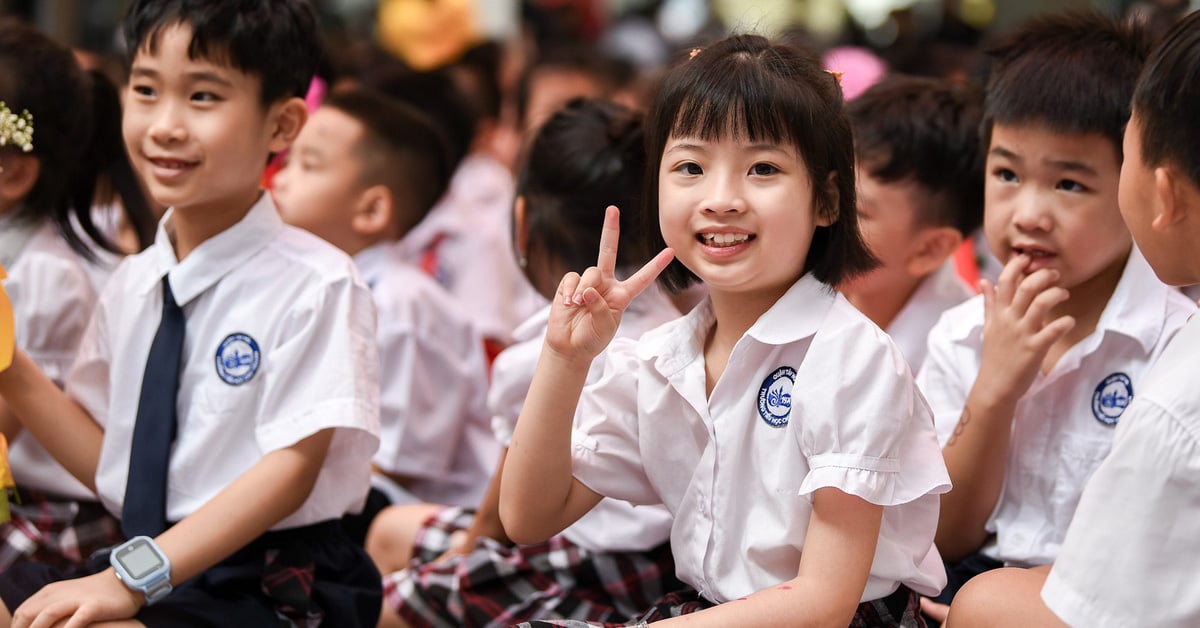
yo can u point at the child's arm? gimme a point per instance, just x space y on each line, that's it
58 423
539 497
1016 337
839 548
258 499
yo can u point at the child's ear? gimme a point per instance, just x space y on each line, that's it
18 174
933 247
286 120
1177 199
373 213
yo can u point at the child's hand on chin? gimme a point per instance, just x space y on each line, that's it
587 308
83 601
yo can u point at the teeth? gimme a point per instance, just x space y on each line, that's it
725 239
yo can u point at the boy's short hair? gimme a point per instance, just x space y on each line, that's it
744 86
924 130
1167 98
275 40
401 148
1072 72
434 93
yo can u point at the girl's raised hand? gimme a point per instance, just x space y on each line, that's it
587 308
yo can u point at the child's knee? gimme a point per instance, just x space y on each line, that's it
393 534
1001 597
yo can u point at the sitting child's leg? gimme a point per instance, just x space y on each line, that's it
393 534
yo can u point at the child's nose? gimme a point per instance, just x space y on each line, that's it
725 194
1032 211
168 125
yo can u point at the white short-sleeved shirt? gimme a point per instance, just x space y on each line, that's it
936 293
1064 423
814 395
1129 557
280 344
434 424
1139 514
467 240
613 525
52 296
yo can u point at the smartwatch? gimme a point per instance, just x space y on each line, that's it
142 567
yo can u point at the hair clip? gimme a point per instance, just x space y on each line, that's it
837 76
16 130
693 53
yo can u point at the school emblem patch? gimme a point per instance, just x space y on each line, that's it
1112 396
237 359
775 396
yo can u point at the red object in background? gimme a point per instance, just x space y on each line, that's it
967 264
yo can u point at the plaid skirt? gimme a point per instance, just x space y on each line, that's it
500 585
900 609
55 531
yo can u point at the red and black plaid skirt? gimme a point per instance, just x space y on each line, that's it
500 585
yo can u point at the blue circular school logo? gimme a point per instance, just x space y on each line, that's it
1111 398
237 359
775 396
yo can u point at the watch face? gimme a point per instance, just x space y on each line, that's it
139 559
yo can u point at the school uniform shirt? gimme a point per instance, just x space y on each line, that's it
613 525
938 292
434 424
52 296
814 395
1129 557
280 344
465 243
1063 425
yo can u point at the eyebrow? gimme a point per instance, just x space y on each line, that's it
1066 165
195 77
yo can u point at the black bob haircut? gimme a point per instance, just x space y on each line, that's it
925 130
585 157
1072 72
401 148
745 87
275 40
1167 101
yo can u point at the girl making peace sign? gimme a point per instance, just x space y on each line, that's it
780 427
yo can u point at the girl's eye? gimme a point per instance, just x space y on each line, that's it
1006 175
143 90
763 170
1068 185
205 97
691 168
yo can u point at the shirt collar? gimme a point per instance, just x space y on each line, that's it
373 262
1137 307
796 315
216 256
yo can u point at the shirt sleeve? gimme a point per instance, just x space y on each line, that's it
432 388
324 368
606 456
53 301
1128 558
945 379
872 437
512 375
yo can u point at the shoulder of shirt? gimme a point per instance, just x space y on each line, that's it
959 322
46 253
407 297
307 252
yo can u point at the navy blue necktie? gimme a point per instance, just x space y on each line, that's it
145 509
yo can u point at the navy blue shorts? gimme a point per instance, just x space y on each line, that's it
309 576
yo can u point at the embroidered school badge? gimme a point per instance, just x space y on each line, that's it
237 359
775 396
1112 396
7 327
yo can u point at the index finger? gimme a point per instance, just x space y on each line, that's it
639 281
606 261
